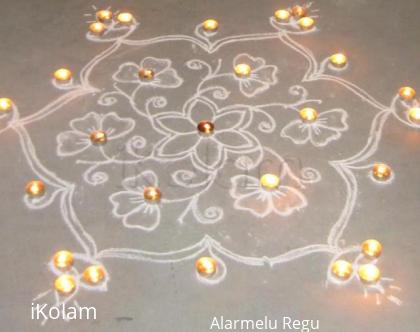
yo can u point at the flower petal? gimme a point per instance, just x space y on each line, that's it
297 131
244 185
234 140
156 64
176 124
250 87
127 73
125 202
255 63
177 145
168 78
335 119
265 74
146 218
256 202
115 126
138 182
209 153
321 136
287 200
71 143
201 109
229 120
86 124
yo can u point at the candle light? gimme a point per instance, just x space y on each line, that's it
104 15
299 11
146 74
306 23
282 15
62 75
414 114
407 93
5 104
308 114
210 25
338 60
98 137
269 181
94 274
65 284
205 127
206 266
63 259
372 248
342 269
369 273
152 194
97 28
242 70
125 18
381 171
35 188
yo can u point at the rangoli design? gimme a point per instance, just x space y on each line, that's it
134 143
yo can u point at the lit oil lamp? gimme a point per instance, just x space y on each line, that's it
63 259
306 23
381 171
35 188
299 11
342 269
63 75
152 194
5 104
65 284
407 93
205 127
98 137
242 70
308 114
269 181
104 15
97 28
282 15
206 266
125 18
338 60
414 114
210 25
146 74
94 274
369 273
372 248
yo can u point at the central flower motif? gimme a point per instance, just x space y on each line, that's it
207 151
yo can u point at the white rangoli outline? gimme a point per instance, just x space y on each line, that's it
130 204
262 76
327 128
249 196
118 36
164 75
76 140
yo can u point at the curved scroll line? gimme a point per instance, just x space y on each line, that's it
208 243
